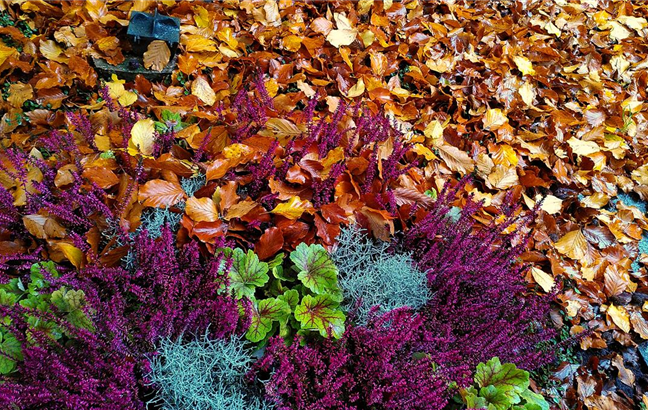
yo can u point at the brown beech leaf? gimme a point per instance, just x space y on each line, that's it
157 55
456 159
201 209
43 227
241 209
269 243
294 208
160 193
573 245
101 176
408 196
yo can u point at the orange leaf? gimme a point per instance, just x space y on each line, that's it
573 245
160 193
201 209
73 254
157 55
293 209
456 159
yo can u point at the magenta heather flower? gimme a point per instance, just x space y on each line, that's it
479 304
387 364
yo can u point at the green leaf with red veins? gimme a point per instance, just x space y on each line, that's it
316 269
264 312
247 273
322 313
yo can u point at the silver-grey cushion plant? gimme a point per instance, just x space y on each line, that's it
371 276
203 374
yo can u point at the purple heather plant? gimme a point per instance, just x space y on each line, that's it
387 364
169 292
479 304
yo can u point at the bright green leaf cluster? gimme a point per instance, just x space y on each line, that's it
502 387
300 298
64 303
171 121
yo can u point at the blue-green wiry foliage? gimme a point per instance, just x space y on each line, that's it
370 276
203 374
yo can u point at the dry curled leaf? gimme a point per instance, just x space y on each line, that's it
157 55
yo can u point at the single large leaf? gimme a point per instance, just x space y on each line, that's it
157 55
503 376
264 312
247 273
11 352
160 193
321 312
316 269
497 398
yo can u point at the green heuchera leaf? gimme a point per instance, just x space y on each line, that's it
72 303
496 399
10 346
534 401
473 400
291 297
247 273
321 312
503 376
264 312
316 269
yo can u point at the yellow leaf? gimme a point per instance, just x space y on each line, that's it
201 89
502 177
543 279
52 51
127 98
597 200
6 52
583 148
635 23
434 130
227 35
524 65
272 86
201 209
364 6
292 42
573 245
424 151
357 89
368 37
201 17
494 119
572 308
157 55
339 38
142 137
197 44
272 15
19 93
117 91
620 317
236 151
334 156
552 29
456 159
551 204
527 93
292 209
641 174
618 32
72 253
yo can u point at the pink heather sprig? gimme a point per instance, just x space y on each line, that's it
264 170
480 302
105 95
83 126
373 365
